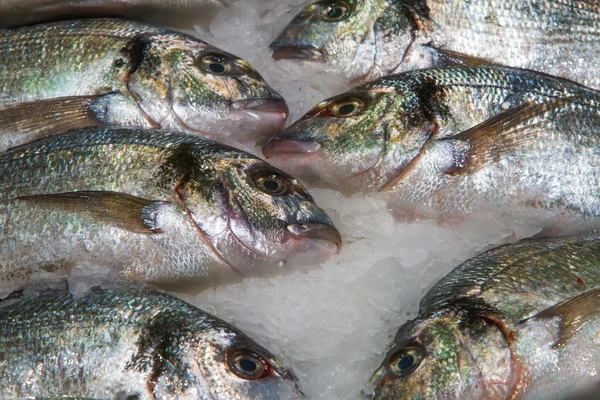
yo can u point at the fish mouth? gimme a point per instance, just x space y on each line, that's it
282 147
262 106
316 231
261 119
296 53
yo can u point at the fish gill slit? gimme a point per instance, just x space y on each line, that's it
379 159
415 30
509 336
134 51
203 236
229 201
410 166
464 345
157 367
151 384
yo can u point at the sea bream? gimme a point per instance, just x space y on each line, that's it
177 13
152 206
98 72
447 142
518 322
366 39
125 344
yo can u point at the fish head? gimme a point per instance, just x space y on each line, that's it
257 217
273 217
224 363
354 142
348 35
453 355
190 86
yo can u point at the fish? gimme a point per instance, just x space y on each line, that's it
127 344
177 13
447 142
364 40
152 206
110 72
518 321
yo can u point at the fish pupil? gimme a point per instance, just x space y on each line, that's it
216 68
406 362
335 12
248 365
347 109
270 185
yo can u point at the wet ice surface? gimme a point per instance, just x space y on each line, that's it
334 323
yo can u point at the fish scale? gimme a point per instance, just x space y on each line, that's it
178 13
381 37
109 72
447 142
494 30
152 206
114 343
525 313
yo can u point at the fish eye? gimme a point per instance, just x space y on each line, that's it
217 64
336 11
248 365
347 108
273 183
406 360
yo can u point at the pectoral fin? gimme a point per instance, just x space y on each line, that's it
574 313
488 141
131 213
31 121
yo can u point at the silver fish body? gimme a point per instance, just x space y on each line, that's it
178 13
368 39
152 206
131 345
105 72
447 142
520 321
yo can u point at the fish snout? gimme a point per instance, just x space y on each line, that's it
316 231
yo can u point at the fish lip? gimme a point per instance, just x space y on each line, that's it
262 105
316 231
286 146
296 53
